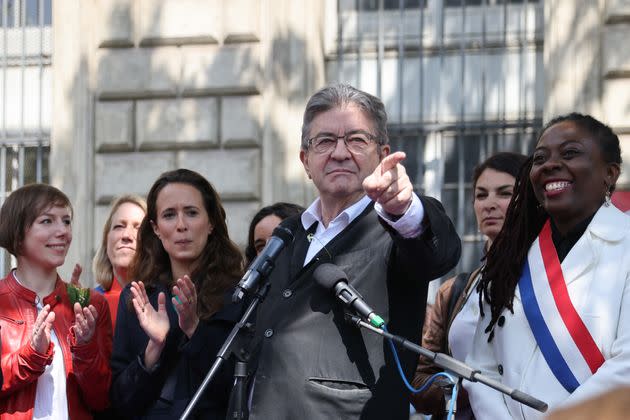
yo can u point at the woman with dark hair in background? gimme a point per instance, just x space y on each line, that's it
56 338
451 321
118 247
555 290
164 347
263 224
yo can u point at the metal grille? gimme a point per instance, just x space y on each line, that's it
25 96
461 80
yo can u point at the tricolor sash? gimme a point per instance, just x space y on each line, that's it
564 340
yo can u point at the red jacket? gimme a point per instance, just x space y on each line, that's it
111 296
87 365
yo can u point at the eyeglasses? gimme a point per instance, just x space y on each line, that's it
356 142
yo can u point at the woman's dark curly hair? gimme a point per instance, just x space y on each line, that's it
218 268
523 221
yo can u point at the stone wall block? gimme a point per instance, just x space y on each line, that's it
229 69
114 126
180 22
138 72
616 54
241 21
617 11
100 217
115 23
624 177
616 104
234 173
174 123
123 173
239 215
240 120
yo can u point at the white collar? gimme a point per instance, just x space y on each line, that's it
314 212
610 223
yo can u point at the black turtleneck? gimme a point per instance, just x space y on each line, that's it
564 243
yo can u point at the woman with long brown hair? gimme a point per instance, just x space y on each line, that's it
177 312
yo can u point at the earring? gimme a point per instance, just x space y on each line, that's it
607 198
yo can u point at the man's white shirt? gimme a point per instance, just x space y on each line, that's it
409 225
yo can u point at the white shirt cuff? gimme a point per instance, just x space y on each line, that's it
409 225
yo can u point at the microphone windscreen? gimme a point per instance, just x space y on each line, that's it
327 275
285 229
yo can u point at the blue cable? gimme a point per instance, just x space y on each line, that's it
427 383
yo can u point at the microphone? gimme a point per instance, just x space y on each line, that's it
263 264
329 276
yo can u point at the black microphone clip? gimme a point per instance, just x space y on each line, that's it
331 277
352 319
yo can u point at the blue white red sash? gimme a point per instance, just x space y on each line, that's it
564 340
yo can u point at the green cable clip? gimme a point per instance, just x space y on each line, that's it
376 320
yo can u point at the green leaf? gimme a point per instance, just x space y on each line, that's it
78 294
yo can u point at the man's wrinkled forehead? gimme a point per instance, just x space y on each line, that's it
342 119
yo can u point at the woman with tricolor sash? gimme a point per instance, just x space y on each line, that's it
555 293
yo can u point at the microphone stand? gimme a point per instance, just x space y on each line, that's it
454 366
232 343
450 389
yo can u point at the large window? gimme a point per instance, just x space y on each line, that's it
374 5
462 151
460 3
387 4
25 95
27 12
461 79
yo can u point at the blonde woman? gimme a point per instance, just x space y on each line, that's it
118 247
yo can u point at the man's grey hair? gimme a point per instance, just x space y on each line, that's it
341 94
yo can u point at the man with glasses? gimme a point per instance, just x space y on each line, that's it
390 243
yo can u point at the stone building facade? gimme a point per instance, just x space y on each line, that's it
219 86
145 86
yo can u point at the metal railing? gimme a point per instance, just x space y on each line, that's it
461 79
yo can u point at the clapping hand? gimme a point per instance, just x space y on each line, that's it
185 303
40 340
84 322
154 323
76 274
389 185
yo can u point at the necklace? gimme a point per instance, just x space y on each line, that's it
38 300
